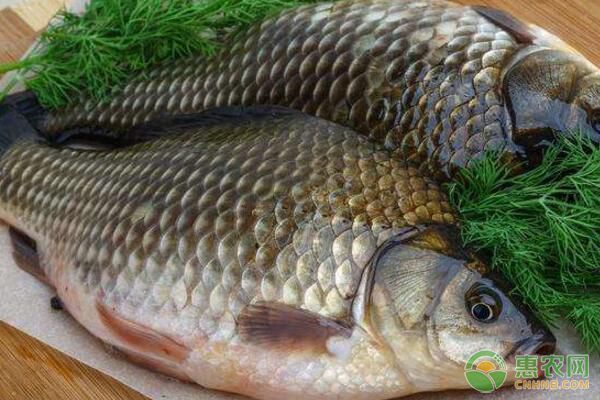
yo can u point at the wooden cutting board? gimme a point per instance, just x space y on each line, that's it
21 22
31 370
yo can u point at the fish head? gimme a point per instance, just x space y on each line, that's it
476 312
433 304
550 92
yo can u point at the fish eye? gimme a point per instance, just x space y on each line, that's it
482 311
483 303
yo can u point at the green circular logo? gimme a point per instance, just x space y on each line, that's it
485 371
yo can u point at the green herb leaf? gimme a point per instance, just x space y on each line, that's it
115 40
541 229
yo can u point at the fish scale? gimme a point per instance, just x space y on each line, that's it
423 77
180 234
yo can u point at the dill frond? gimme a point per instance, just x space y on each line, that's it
115 40
541 229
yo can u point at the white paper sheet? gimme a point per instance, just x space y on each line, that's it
25 305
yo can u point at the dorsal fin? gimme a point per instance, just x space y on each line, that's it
516 28
21 114
21 117
90 138
232 115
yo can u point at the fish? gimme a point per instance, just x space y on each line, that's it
260 251
442 83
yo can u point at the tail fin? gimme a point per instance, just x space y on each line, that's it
27 104
19 115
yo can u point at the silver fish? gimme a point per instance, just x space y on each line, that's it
263 252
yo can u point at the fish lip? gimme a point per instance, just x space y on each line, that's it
542 343
538 345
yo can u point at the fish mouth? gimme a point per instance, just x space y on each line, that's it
540 344
543 343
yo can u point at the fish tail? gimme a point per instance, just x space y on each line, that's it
20 114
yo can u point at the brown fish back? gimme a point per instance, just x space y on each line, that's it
420 76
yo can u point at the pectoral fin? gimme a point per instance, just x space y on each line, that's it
284 327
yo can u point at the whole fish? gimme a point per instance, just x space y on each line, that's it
444 83
260 251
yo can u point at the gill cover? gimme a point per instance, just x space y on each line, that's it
412 269
543 94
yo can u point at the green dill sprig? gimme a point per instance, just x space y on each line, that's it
115 40
541 229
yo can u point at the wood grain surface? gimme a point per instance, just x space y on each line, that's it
20 24
31 370
577 22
